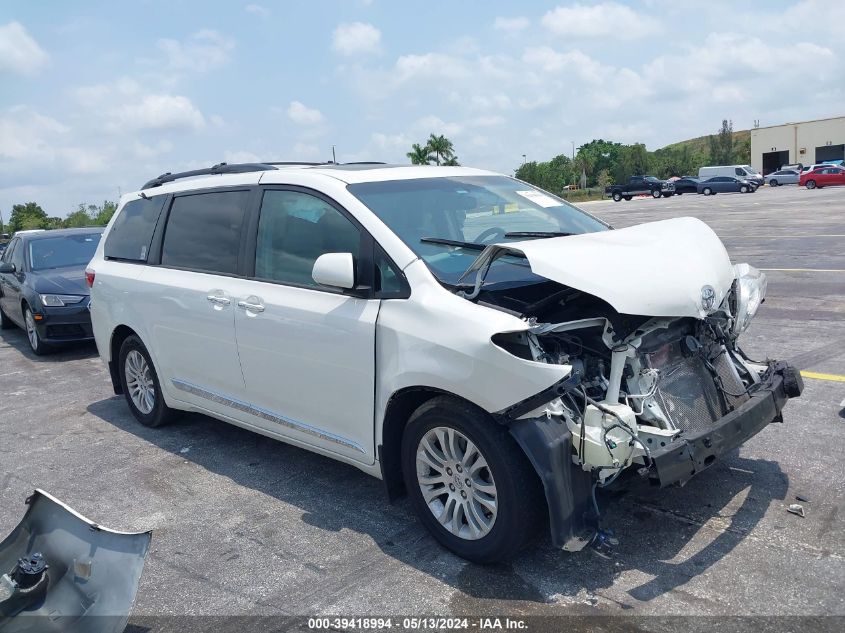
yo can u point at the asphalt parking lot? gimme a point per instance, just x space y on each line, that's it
246 525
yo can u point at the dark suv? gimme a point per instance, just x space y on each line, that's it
42 286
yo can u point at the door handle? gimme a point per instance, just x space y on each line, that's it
218 300
251 304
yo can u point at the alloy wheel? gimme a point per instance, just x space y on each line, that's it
456 483
139 382
31 332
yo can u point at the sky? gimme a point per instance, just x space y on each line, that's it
97 96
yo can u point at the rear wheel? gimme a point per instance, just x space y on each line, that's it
811 184
617 196
38 346
707 191
141 385
655 193
470 484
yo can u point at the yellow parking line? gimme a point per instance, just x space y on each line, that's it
818 376
805 270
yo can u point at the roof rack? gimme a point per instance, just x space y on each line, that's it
219 168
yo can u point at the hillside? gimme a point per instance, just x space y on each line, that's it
700 144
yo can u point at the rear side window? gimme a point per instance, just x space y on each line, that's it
204 231
132 231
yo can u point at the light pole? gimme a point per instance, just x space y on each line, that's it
523 159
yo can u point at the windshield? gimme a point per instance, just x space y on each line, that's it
61 252
468 213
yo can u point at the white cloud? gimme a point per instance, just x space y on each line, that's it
27 135
241 156
511 25
201 52
435 125
160 112
257 9
598 20
303 115
356 37
429 65
19 52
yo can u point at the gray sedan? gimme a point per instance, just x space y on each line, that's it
724 184
783 177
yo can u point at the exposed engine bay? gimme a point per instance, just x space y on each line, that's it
637 382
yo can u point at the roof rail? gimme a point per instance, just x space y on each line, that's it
219 168
293 163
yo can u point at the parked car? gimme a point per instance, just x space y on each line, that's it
639 185
783 177
725 184
42 286
794 167
496 367
740 172
823 177
687 184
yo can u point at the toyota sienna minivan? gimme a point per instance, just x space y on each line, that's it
482 346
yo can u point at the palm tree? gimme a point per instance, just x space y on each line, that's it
419 155
441 147
452 162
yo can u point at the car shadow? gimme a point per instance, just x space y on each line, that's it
662 533
16 338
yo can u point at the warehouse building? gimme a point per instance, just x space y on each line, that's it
807 142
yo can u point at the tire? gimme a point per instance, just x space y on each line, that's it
811 184
743 189
479 534
773 183
707 191
617 196
144 394
666 195
627 198
679 193
36 344
655 193
5 322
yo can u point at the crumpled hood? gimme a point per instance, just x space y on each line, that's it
654 269
60 281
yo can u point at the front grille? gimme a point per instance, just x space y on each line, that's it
65 331
688 393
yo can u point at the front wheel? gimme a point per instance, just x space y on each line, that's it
811 184
655 194
743 189
617 196
627 198
707 191
38 347
773 183
470 484
141 385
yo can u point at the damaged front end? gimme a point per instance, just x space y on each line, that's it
61 572
661 394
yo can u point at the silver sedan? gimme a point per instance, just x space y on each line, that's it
783 177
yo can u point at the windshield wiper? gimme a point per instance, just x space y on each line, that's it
537 234
440 240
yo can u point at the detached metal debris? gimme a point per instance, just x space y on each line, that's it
62 572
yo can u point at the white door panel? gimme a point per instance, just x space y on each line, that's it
308 364
192 333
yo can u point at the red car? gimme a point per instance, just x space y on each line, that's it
822 177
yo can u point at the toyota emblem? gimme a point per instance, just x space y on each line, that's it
708 298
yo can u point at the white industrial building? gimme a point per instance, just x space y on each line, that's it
807 142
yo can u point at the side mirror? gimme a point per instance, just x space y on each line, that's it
336 270
7 267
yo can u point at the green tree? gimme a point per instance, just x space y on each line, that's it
27 216
105 212
419 155
441 147
451 162
603 179
79 218
722 144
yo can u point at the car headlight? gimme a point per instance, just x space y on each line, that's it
750 290
57 301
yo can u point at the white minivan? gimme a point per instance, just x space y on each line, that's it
741 172
481 345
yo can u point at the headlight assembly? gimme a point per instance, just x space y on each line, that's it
750 290
57 301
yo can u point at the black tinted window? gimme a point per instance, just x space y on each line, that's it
204 231
17 255
132 232
294 230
